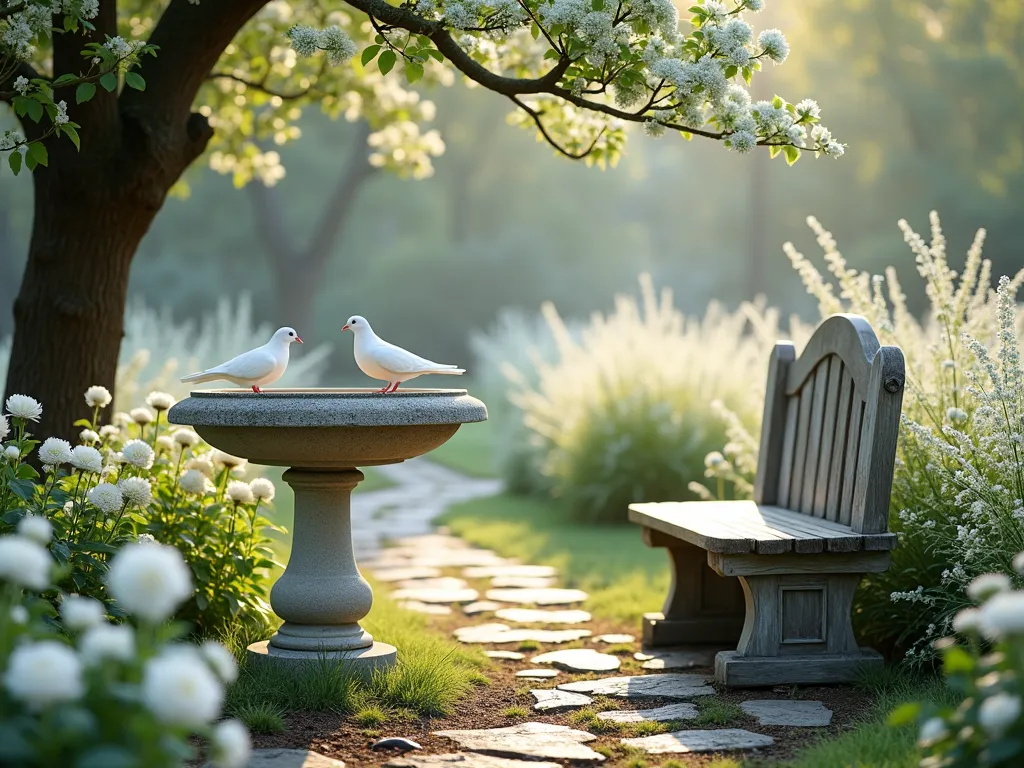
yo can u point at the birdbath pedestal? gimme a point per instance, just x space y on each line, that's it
323 435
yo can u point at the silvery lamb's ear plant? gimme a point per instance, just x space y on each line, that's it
99 694
986 666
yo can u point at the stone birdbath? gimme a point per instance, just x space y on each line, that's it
323 435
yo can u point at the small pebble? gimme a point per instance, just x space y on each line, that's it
395 742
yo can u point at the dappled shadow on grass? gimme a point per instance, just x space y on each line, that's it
624 577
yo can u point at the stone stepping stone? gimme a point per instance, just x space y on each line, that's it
554 700
431 609
506 655
465 760
400 573
722 740
615 639
510 569
668 686
431 541
481 606
579 660
498 634
529 740
442 558
436 595
550 596
523 582
292 758
685 711
442 582
535 616
537 674
800 714
676 659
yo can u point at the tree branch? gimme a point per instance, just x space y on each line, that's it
98 116
260 86
536 116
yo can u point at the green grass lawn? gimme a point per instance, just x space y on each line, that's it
470 451
624 577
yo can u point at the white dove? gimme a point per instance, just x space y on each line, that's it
255 368
380 360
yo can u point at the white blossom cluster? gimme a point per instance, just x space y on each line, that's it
19 31
333 41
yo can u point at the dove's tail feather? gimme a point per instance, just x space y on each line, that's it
450 371
201 376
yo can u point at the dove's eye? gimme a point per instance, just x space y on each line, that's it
291 334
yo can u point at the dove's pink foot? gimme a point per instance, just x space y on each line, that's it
394 386
384 389
257 390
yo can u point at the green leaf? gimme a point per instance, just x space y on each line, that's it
386 61
14 160
792 154
731 70
905 714
434 54
34 109
64 80
369 53
534 30
777 102
25 489
773 150
109 82
956 660
84 92
413 71
134 80
72 133
83 423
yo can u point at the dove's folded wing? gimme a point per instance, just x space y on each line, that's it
398 360
250 365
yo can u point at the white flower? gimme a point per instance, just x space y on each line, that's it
808 107
12 453
166 443
61 116
19 614
44 673
24 407
231 745
107 641
160 401
5 427
107 497
36 528
192 481
967 621
1018 563
239 492
25 562
136 490
714 459
227 459
221 660
956 415
201 465
988 584
108 431
86 458
742 141
179 689
997 713
88 436
138 454
185 437
55 451
305 40
149 581
141 416
932 730
262 489
81 613
1003 615
146 538
21 84
121 419
774 44
98 397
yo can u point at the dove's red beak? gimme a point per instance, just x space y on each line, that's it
298 339
345 328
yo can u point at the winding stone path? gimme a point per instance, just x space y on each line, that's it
579 660
669 712
529 740
668 686
720 740
549 596
554 700
801 714
535 616
499 634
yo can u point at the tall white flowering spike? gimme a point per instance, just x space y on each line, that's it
239 492
55 451
262 489
998 713
98 397
179 688
160 401
24 407
44 673
86 458
107 497
142 416
25 562
107 641
36 528
232 747
80 613
192 481
138 453
137 491
149 581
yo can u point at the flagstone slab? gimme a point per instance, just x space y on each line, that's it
615 639
529 740
505 655
683 711
537 674
292 758
498 634
721 740
677 659
434 540
509 569
437 595
480 606
432 609
523 582
441 558
579 660
669 686
800 714
465 760
401 573
554 700
537 616
550 596
441 582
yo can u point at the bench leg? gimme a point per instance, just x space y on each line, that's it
797 630
701 608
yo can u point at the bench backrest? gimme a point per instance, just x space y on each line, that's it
831 421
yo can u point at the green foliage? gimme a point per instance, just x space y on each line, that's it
715 711
261 717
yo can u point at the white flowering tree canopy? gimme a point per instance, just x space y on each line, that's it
577 71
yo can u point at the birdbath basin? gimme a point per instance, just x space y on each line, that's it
323 435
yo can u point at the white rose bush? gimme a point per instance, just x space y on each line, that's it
101 694
140 477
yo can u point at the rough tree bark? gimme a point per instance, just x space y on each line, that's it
299 271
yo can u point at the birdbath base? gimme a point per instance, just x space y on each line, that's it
362 661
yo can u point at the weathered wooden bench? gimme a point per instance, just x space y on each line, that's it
817 524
